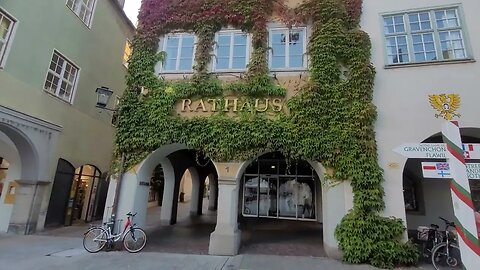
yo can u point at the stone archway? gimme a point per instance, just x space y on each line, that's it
427 198
337 199
33 141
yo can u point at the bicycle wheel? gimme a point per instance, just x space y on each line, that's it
446 258
134 240
94 240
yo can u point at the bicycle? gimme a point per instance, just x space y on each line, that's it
446 255
429 237
134 238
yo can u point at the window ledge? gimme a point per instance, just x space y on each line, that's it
433 63
57 97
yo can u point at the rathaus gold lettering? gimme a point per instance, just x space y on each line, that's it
232 105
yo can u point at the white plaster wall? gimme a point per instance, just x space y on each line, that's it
401 94
10 153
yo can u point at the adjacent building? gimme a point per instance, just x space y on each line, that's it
55 145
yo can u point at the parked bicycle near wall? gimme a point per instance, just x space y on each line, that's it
97 237
440 247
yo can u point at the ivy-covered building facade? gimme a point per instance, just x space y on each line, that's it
292 110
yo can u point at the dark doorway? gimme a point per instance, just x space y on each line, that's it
60 193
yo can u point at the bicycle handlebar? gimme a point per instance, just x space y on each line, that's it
447 222
131 215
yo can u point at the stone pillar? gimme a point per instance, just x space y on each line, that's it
194 200
169 196
337 200
213 198
225 240
26 209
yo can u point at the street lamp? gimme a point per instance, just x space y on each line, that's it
103 95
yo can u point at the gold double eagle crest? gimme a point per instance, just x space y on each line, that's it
446 105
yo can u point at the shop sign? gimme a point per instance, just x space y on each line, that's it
442 170
435 150
231 104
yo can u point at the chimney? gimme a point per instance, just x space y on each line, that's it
121 3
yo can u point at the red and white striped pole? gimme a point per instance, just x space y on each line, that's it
461 197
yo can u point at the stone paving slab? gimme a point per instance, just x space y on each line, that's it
59 253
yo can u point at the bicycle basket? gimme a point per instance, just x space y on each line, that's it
422 233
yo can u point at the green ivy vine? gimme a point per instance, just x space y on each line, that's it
330 120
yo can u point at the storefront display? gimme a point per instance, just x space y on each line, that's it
279 195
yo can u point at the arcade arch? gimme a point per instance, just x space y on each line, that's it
427 198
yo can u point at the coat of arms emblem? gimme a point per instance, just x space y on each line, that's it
446 105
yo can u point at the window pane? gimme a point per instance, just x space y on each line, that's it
239 62
239 51
171 60
240 39
187 41
223 51
278 49
296 43
223 40
4 26
222 63
418 47
419 57
430 56
296 61
186 64
172 41
429 47
278 61
250 203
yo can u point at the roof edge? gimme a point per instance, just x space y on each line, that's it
119 8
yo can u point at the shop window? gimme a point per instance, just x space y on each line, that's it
179 49
288 47
424 36
231 51
269 190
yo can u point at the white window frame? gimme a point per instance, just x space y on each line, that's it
230 63
61 79
77 8
287 51
435 31
5 50
179 49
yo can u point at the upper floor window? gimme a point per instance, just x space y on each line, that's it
288 48
422 36
83 9
179 50
231 51
61 77
6 29
127 52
